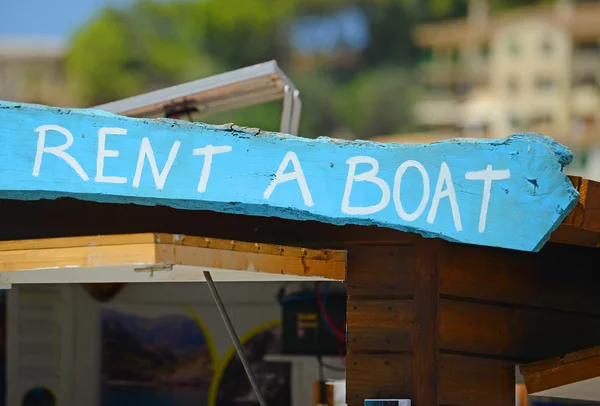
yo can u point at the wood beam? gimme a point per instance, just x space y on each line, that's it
575 375
160 257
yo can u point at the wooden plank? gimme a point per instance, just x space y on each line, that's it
78 257
522 398
560 371
426 319
459 190
513 333
380 325
508 332
329 393
248 261
553 362
384 271
174 239
144 250
575 217
383 376
572 235
535 280
591 215
582 225
83 241
472 381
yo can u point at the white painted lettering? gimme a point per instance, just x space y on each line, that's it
146 151
487 176
297 175
426 190
208 153
369 176
107 153
445 178
58 151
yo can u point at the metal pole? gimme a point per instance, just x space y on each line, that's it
234 337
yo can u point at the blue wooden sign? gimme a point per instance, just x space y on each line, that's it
509 193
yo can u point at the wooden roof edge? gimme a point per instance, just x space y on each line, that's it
559 371
154 257
172 239
582 226
555 361
587 212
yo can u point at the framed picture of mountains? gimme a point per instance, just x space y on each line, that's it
153 356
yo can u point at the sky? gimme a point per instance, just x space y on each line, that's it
48 18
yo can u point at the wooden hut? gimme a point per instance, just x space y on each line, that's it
461 259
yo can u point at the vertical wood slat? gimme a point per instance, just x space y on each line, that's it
425 337
379 284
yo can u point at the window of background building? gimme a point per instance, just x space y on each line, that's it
547 46
593 46
585 79
544 83
462 89
512 85
545 118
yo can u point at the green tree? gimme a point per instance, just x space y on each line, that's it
378 102
154 44
122 53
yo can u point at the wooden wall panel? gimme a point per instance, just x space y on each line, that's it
380 271
425 342
559 277
471 381
380 284
380 325
520 334
378 376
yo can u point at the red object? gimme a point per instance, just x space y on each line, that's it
341 335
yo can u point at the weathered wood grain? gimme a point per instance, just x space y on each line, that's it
70 254
582 225
559 371
380 325
380 271
472 381
518 334
436 190
426 323
383 376
526 279
567 234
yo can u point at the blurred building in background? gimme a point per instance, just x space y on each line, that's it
527 69
32 70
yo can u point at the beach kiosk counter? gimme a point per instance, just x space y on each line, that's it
461 258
